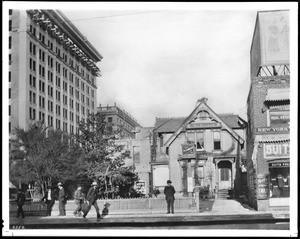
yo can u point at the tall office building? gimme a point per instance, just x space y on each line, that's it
52 71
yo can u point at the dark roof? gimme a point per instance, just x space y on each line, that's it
170 125
165 125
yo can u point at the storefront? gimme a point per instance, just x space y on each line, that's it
273 184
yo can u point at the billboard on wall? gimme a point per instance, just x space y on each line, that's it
274 37
271 40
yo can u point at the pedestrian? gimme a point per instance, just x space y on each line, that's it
91 198
79 198
20 202
61 200
169 191
50 197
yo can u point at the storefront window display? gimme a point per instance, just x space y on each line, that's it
279 180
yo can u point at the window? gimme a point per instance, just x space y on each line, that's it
9 76
50 76
57 81
57 95
9 110
9 93
32 65
57 124
10 11
9 43
110 119
10 25
32 30
199 140
41 55
31 113
217 140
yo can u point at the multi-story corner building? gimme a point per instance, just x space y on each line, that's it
52 71
202 149
120 118
268 136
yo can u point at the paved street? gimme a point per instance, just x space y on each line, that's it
223 214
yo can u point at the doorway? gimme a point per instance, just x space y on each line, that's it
225 174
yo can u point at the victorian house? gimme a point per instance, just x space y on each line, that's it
202 149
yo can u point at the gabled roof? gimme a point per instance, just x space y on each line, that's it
171 124
177 125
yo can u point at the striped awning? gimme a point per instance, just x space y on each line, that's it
278 94
272 138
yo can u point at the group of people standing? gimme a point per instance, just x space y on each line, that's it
83 203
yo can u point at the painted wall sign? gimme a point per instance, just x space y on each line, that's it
277 150
270 130
262 190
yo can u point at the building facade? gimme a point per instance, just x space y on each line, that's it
268 133
120 118
52 71
202 149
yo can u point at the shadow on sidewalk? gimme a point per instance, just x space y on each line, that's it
206 205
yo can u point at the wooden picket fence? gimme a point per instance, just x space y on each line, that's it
116 205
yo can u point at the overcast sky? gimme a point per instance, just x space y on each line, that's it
157 64
159 58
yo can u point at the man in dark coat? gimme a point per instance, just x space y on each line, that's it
49 197
20 202
169 192
61 200
91 197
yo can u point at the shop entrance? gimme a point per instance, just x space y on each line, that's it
225 173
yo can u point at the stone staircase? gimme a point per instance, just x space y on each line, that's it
223 194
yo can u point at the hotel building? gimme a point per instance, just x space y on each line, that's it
52 71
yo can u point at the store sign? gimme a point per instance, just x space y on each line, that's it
188 150
277 150
268 130
262 191
279 165
280 117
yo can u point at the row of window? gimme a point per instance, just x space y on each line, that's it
32 49
32 116
197 137
32 66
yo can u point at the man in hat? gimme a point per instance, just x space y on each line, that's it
169 191
91 197
20 202
50 197
61 200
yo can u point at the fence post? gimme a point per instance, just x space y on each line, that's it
197 192
149 205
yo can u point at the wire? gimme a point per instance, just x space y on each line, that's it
129 14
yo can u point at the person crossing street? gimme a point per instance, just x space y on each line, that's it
91 198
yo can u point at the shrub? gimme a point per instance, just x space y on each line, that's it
204 192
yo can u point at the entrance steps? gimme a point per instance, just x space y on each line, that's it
223 194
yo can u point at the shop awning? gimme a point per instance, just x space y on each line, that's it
278 94
272 138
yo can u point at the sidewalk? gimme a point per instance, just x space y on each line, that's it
223 211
